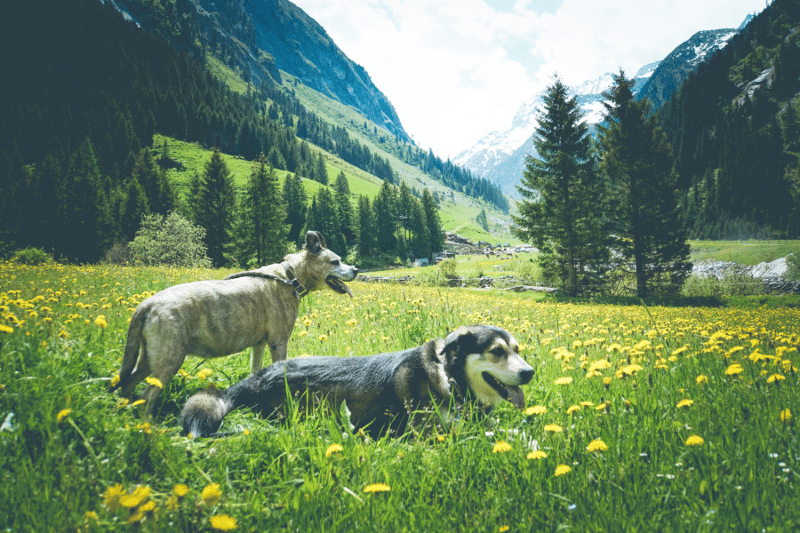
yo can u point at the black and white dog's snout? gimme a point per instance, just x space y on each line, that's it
525 376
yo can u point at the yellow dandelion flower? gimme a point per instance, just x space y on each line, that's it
90 515
148 507
222 522
211 494
775 378
597 445
572 408
501 446
702 379
62 414
377 487
734 369
180 490
155 382
553 428
115 380
566 380
352 322
695 440
536 410
112 495
563 469
172 503
204 374
6 329
686 402
537 454
135 498
503 529
332 449
786 415
138 402
101 322
137 516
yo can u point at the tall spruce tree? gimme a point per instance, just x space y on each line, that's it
384 207
214 207
261 232
346 216
296 200
562 206
638 161
434 222
367 231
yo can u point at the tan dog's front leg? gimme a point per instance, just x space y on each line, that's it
257 357
279 351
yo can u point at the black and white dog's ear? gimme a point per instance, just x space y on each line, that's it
315 242
462 340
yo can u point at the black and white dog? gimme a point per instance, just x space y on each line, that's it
478 363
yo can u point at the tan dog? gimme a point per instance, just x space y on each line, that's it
214 318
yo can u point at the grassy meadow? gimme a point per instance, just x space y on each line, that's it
638 419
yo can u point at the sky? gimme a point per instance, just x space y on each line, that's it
456 70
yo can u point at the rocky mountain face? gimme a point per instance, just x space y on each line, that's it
301 47
500 156
262 38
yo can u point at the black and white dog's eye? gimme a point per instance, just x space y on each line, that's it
498 352
335 262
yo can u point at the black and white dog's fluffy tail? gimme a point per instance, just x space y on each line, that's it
203 413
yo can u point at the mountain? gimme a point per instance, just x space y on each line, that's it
500 156
735 132
261 39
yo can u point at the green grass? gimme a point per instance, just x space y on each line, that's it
751 252
627 369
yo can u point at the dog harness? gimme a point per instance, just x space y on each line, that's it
299 290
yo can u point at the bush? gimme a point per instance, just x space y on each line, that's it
793 267
118 254
32 256
170 240
448 268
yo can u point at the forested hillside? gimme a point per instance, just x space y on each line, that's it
734 130
86 93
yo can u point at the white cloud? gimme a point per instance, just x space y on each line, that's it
458 69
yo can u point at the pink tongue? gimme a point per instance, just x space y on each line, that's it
516 396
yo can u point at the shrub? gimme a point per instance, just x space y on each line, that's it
170 240
32 256
793 267
448 268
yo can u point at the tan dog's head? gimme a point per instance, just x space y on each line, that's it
316 266
486 360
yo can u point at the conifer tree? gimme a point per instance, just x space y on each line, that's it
434 222
562 201
260 230
638 161
367 231
215 204
156 186
296 201
384 207
346 217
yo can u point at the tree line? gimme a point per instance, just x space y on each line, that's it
82 101
266 220
599 211
735 131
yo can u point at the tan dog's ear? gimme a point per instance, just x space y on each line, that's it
315 242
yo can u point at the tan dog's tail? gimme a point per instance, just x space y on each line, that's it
132 346
203 413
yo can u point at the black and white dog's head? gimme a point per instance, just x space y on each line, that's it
485 361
